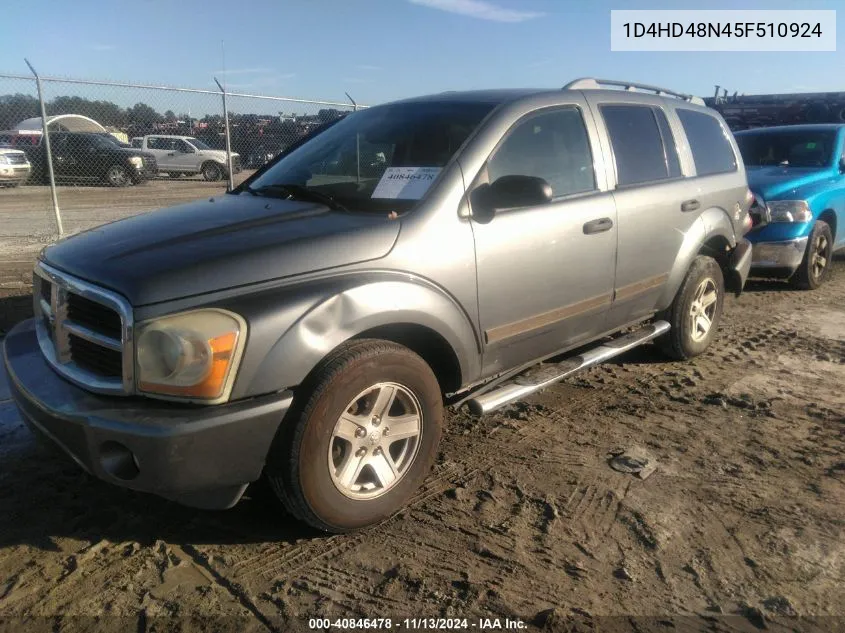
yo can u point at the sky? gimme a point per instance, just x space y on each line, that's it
381 50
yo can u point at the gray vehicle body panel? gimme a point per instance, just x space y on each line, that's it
522 287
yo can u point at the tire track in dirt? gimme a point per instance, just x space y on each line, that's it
522 513
273 564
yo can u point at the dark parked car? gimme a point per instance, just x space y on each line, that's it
92 157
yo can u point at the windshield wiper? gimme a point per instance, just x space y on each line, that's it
297 192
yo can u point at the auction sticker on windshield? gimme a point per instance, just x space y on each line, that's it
406 183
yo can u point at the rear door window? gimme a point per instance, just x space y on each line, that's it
708 141
637 144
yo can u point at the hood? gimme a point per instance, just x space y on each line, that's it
217 152
227 241
781 182
130 151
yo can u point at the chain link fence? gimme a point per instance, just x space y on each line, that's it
118 149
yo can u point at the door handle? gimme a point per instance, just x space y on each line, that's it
690 205
598 226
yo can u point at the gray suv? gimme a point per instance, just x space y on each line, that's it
310 325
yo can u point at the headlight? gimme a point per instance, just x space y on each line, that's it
4 160
790 211
193 355
136 161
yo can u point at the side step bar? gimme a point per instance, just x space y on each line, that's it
540 377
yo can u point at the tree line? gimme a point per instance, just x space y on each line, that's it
15 108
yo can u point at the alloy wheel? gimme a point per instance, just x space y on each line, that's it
703 309
375 441
820 257
117 176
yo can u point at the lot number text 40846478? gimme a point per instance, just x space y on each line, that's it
417 624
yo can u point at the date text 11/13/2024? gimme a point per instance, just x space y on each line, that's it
416 624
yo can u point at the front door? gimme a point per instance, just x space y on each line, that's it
184 156
545 272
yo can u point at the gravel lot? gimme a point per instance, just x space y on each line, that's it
27 221
740 528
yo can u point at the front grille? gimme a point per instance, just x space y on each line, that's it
46 289
95 358
81 331
93 315
16 159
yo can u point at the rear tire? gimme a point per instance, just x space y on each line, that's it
695 312
333 464
815 267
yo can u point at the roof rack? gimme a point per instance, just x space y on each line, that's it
589 83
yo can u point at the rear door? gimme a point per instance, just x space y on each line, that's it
69 153
655 205
161 148
719 175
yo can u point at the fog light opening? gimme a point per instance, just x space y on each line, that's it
118 461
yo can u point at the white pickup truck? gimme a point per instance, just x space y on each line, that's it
186 156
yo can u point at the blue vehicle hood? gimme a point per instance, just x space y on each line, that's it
781 182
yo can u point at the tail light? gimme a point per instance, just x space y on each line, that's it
748 223
758 214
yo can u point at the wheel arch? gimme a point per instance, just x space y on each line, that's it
423 318
428 344
711 234
829 216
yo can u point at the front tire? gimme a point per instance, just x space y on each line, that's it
695 312
361 439
212 172
118 176
815 267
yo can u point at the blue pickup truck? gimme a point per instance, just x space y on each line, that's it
797 174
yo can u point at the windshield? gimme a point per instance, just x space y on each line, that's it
790 148
357 161
105 142
197 143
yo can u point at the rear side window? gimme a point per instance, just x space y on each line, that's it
637 144
708 141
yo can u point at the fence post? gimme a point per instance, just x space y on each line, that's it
46 137
228 138
354 105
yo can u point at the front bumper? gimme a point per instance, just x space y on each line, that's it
199 456
783 256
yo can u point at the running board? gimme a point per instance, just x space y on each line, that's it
541 377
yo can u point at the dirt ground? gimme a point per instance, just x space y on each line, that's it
741 527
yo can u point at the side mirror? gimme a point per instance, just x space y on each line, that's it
842 165
509 192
